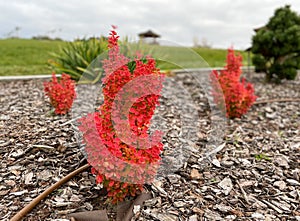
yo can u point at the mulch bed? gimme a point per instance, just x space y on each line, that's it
255 176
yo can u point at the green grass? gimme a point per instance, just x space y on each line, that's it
262 156
29 57
25 56
217 57
171 57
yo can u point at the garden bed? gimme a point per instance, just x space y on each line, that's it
255 176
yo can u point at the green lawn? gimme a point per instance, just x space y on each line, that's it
29 57
25 56
182 57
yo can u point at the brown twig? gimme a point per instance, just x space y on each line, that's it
277 100
43 195
243 192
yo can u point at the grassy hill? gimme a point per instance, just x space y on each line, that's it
29 57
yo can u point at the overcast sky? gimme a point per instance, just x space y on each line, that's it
221 22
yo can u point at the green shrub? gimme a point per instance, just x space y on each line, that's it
75 57
286 70
276 46
259 62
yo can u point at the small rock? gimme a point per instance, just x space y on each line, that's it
245 162
59 199
296 174
295 146
216 162
59 219
280 184
16 172
4 117
258 216
260 167
269 217
282 205
157 186
72 183
17 153
45 175
230 217
247 183
179 204
293 182
294 193
148 211
19 193
210 215
153 201
61 204
227 163
10 182
271 116
195 174
28 178
223 208
202 190
215 190
14 208
4 144
259 204
174 178
3 192
281 160
136 209
209 197
193 218
75 198
27 199
254 122
88 206
167 217
268 109
198 211
157 183
226 185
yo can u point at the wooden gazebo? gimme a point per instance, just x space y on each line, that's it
150 35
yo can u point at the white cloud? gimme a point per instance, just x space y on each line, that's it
221 22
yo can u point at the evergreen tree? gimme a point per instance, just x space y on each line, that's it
276 46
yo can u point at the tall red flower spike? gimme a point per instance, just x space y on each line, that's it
122 154
238 94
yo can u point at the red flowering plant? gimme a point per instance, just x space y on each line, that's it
61 93
238 94
122 154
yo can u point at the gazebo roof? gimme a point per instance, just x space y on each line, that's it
260 28
149 34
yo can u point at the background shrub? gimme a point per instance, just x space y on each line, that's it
75 57
276 46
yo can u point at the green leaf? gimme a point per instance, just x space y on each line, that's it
262 156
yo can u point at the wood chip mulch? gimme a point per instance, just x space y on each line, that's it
254 176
